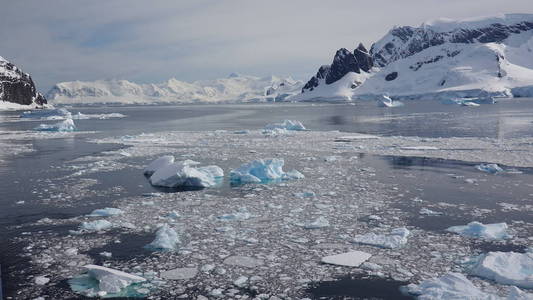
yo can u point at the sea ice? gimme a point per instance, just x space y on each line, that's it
241 281
158 164
105 212
510 268
241 215
489 168
41 280
349 259
97 225
395 239
184 174
166 239
49 114
478 230
179 273
320 222
65 126
429 212
243 261
107 282
262 171
287 124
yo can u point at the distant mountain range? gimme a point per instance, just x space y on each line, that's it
439 59
234 88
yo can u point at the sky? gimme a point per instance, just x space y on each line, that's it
152 41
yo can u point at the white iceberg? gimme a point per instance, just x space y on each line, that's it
183 174
105 212
158 164
348 259
510 268
106 282
65 126
395 239
97 225
287 125
489 168
479 230
386 101
166 239
262 171
449 286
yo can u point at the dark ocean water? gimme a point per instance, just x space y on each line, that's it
22 178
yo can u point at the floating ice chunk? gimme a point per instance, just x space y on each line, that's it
306 194
395 239
478 230
65 126
179 273
263 170
330 158
429 212
241 215
97 225
107 282
158 164
41 280
71 251
287 125
241 131
320 222
183 174
419 148
349 259
351 138
105 212
106 254
489 168
243 261
386 101
49 114
241 281
173 215
469 103
506 268
449 286
166 239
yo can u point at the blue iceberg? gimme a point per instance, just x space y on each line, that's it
263 171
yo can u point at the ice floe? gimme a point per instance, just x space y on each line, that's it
263 171
166 239
106 282
287 125
65 126
318 223
183 174
97 225
479 230
349 259
179 273
105 212
429 212
489 168
510 268
395 239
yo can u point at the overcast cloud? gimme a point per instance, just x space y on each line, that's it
151 41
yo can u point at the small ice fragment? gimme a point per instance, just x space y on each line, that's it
106 254
320 222
509 268
65 126
287 125
105 212
330 158
173 215
241 131
241 215
479 230
306 194
158 163
371 266
419 148
71 251
243 261
179 273
349 259
395 239
207 268
489 168
294 174
97 225
41 280
166 239
429 212
241 281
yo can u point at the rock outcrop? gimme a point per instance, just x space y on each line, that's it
17 86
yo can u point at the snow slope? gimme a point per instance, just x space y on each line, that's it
443 59
234 88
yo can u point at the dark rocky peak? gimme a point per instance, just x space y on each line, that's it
17 86
314 81
364 59
343 62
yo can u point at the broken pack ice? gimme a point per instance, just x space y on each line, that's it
287 125
64 126
395 239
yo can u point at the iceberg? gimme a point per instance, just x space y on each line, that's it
106 282
263 171
49 114
506 268
397 238
65 126
97 225
166 239
448 286
105 212
386 101
348 259
183 174
158 164
479 230
489 168
287 125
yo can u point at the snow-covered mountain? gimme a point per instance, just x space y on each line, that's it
443 59
16 87
234 88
